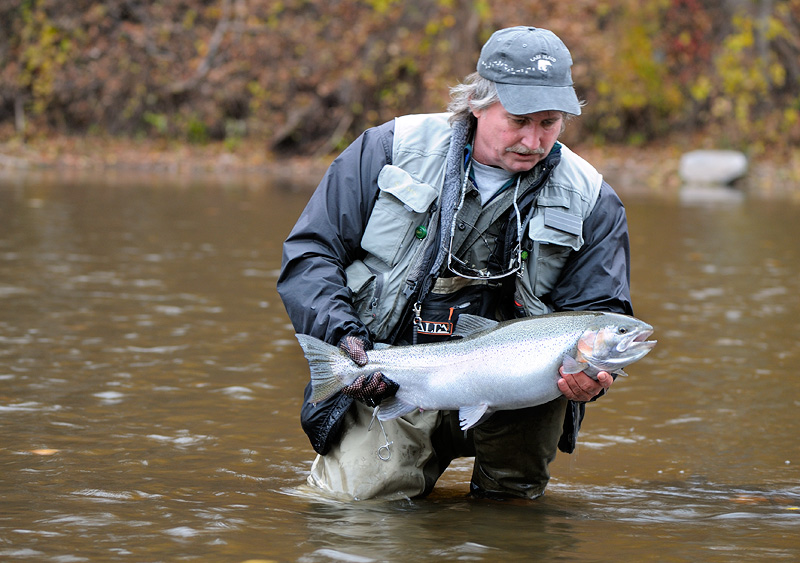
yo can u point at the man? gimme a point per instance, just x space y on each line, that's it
478 211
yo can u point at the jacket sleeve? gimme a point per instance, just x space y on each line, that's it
596 277
327 238
323 242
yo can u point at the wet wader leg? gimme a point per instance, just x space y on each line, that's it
514 448
360 466
448 442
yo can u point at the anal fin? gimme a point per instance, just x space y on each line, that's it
472 415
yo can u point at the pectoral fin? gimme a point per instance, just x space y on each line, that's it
394 408
571 365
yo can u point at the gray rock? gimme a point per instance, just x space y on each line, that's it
714 167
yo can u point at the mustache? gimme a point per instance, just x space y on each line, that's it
519 149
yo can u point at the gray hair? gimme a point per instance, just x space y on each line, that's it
475 93
478 93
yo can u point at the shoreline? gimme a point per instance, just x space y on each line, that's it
75 157
643 171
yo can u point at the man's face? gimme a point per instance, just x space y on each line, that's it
514 142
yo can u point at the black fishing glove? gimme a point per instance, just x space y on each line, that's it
369 389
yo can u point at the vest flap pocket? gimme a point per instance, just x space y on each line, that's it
358 276
417 195
563 221
556 227
401 207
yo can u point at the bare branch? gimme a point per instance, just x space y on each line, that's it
207 63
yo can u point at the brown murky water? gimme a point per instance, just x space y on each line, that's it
150 385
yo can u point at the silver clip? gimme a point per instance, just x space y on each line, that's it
384 453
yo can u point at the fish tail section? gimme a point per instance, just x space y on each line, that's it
324 362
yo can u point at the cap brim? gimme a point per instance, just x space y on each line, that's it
521 100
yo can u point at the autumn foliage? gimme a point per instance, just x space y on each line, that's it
306 76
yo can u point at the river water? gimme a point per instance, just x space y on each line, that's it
150 386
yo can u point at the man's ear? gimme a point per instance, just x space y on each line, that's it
475 112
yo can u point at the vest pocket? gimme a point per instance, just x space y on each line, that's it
370 297
552 245
361 281
550 260
401 207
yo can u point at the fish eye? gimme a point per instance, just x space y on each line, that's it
623 330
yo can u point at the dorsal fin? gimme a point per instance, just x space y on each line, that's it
471 324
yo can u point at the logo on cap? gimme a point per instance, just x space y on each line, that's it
543 62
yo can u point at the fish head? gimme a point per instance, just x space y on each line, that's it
619 340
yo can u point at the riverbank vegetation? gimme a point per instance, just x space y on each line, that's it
260 80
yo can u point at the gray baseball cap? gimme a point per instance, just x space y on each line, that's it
531 68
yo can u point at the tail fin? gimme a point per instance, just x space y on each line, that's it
322 361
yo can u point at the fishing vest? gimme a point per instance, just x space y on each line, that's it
406 214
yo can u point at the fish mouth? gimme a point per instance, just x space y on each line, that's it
637 341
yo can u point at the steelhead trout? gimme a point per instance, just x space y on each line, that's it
492 366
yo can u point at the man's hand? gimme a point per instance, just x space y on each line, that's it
369 389
582 388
